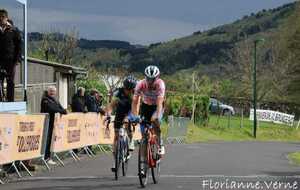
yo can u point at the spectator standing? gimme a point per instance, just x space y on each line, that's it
94 102
50 105
78 104
10 53
78 101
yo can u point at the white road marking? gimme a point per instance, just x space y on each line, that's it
162 176
221 176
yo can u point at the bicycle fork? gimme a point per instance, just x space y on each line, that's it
124 143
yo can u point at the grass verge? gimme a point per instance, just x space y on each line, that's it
235 129
294 158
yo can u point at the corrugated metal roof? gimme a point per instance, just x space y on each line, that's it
71 69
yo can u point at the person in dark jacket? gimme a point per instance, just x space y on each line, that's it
93 102
78 104
10 53
78 101
51 106
99 99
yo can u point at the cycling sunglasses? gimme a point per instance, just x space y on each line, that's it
150 80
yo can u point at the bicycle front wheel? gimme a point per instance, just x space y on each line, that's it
143 164
155 171
125 154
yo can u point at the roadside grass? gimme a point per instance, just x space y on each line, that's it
164 129
294 158
224 129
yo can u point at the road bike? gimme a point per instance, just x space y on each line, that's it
149 158
122 153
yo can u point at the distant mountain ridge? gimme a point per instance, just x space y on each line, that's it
211 47
90 44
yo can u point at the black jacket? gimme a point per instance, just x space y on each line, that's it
124 102
78 103
10 46
51 106
93 105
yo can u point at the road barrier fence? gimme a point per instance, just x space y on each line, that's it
23 137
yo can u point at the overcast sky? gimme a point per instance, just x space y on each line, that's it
136 21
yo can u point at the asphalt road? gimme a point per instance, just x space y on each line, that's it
196 166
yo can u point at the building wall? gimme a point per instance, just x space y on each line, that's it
37 74
63 89
43 74
40 77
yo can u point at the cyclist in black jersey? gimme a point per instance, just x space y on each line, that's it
121 105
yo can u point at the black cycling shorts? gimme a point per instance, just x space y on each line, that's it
118 123
147 111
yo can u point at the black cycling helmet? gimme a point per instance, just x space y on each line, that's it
129 82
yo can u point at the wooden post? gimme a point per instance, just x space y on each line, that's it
194 105
242 119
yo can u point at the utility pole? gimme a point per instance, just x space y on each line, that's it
254 87
24 68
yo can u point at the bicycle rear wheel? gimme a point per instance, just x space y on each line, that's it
118 157
143 165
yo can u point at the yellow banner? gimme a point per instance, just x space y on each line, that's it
67 134
91 129
20 137
76 130
107 132
28 136
7 126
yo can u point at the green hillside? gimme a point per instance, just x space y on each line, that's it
221 58
206 47
212 46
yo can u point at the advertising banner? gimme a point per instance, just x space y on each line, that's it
273 116
91 129
67 134
7 126
21 137
77 130
107 132
28 135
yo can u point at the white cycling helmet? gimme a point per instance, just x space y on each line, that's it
152 72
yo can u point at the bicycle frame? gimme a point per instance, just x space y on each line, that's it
150 139
149 157
121 150
122 136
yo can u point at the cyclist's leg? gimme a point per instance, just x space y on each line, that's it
146 112
117 126
158 133
130 137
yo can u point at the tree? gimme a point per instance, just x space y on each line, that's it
59 47
243 58
112 78
294 73
111 67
